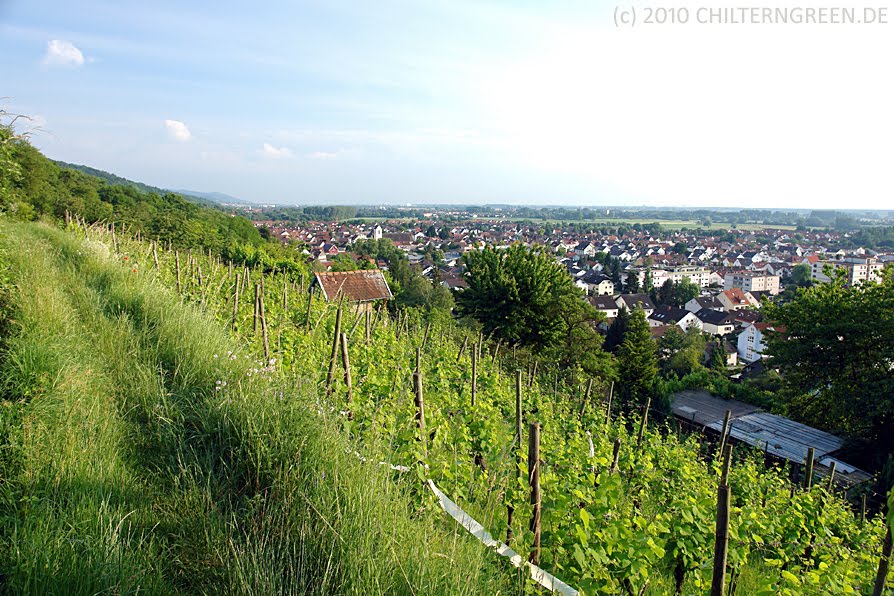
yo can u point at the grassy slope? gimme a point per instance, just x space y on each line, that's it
122 467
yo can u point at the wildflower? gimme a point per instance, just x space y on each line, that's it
272 361
215 356
134 270
125 258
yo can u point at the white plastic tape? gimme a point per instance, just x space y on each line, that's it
547 580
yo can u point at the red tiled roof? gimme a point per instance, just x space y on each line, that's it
357 286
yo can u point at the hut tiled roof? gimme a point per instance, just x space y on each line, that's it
357 286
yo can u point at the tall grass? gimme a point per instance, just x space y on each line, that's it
140 450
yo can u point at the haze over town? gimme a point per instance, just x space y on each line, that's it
456 102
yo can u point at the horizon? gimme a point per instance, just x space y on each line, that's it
459 103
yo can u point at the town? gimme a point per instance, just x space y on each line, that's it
713 280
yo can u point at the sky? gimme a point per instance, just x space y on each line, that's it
454 101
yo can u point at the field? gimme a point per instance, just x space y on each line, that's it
158 416
671 224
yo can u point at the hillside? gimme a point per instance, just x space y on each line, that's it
142 450
244 471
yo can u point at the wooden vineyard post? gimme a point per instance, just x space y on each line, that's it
236 301
608 407
346 363
257 300
643 422
721 529
368 325
420 406
155 253
474 374
533 375
583 405
177 266
67 218
462 348
285 296
334 355
516 445
883 563
723 431
264 328
616 454
496 352
310 301
831 477
808 469
534 478
862 510
425 337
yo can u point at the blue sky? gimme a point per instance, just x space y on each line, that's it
449 101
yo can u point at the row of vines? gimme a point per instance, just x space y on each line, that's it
641 521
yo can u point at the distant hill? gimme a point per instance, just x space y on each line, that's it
206 198
217 197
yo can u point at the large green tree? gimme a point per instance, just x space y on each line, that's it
518 294
834 346
637 362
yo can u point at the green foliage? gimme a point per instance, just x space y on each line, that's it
618 329
835 357
681 351
675 294
518 294
801 275
637 362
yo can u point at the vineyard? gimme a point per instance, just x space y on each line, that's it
621 505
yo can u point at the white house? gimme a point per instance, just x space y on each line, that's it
671 315
736 299
751 342
716 322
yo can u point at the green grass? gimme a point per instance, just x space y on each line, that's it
124 468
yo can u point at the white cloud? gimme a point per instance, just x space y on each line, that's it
276 152
63 53
178 131
322 155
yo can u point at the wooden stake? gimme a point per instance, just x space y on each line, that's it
723 431
236 301
346 363
534 478
583 405
862 510
264 327
420 405
616 454
155 253
462 348
474 374
608 407
368 326
425 336
642 424
533 375
310 301
334 355
496 352
721 528
808 469
256 311
883 564
177 266
285 296
831 477
516 446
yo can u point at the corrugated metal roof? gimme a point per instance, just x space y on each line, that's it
357 286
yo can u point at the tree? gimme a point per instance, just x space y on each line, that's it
615 336
647 280
431 232
685 291
517 294
834 347
631 286
637 362
801 275
666 293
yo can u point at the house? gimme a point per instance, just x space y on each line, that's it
631 301
736 299
856 270
696 304
751 342
605 305
671 315
716 322
361 288
598 284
